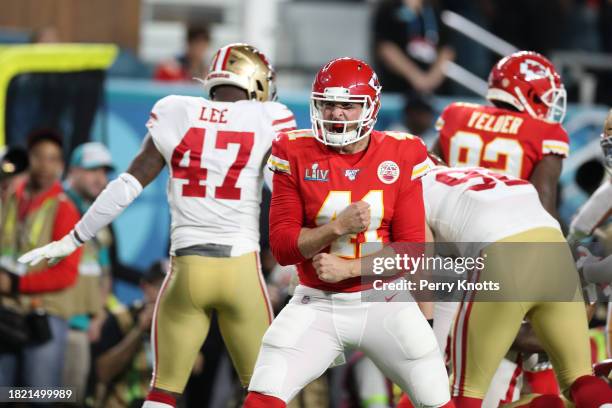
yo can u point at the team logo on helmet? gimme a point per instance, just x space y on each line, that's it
388 172
534 70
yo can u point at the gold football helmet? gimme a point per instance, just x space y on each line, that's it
244 66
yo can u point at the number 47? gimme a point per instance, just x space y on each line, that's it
193 141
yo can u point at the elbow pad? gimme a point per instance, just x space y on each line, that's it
117 195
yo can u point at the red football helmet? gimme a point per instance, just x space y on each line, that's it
345 80
529 82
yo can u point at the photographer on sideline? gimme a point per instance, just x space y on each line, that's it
35 212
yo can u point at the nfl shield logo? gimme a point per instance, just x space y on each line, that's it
351 174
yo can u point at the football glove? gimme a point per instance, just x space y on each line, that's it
54 252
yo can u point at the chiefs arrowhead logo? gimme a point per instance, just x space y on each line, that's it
534 70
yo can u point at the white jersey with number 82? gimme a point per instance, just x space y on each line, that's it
215 152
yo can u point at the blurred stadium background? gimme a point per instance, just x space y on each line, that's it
96 80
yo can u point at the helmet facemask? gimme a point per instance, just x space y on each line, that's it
348 131
556 100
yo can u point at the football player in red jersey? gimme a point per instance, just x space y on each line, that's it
521 135
336 187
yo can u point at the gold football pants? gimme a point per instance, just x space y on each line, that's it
485 330
197 285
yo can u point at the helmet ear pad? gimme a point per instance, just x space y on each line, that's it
533 97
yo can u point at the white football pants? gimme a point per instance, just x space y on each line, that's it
314 329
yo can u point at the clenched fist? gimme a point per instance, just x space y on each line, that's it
354 219
331 268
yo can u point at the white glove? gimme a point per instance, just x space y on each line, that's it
55 251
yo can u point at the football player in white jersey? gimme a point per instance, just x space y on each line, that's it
595 213
215 151
476 205
599 206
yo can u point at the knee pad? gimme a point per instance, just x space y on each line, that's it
281 337
412 333
270 372
289 326
427 380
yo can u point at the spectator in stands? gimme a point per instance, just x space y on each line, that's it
417 118
13 162
35 213
123 356
190 65
410 47
87 177
89 168
537 25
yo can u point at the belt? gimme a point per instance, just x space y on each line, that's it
209 250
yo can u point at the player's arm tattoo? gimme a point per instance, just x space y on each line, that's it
148 163
544 178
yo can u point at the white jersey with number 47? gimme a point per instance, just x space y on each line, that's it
473 204
215 153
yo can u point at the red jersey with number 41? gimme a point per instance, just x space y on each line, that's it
215 152
313 184
498 139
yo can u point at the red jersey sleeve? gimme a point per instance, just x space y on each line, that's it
65 272
554 140
444 125
408 224
286 207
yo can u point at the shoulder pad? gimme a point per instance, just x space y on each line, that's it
400 135
464 105
299 133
